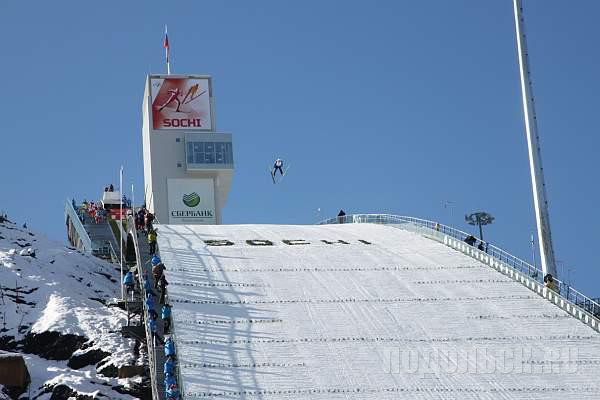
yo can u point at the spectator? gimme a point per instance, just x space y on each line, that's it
128 282
148 286
341 217
169 347
169 381
154 330
165 315
169 368
157 273
139 220
149 219
152 241
150 306
437 226
163 289
470 240
73 203
111 188
172 393
481 246
550 283
149 302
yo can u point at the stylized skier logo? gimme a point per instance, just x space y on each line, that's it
191 200
175 94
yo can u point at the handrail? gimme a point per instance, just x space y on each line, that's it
149 336
113 255
86 242
431 227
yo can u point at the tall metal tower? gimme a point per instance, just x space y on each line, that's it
540 201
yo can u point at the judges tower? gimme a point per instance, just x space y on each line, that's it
188 165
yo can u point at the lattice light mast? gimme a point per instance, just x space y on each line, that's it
540 201
479 219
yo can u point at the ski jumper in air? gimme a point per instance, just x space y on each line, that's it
278 166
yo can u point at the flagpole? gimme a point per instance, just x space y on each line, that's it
121 226
132 200
166 45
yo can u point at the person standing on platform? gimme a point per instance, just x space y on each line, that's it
172 393
169 347
154 329
129 283
163 288
550 283
157 273
152 241
341 217
149 220
165 315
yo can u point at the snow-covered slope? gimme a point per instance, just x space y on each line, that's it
53 309
386 315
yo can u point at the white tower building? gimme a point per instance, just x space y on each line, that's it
188 165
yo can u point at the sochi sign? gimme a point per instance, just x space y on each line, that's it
181 103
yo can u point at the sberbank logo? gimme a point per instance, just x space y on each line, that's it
191 200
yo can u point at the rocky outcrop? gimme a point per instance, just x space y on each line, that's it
52 345
90 357
63 392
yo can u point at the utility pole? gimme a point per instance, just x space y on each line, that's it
540 201
450 204
533 250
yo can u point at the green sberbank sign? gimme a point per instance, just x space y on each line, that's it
191 201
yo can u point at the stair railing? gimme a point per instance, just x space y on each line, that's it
84 238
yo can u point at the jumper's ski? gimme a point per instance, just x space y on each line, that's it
272 172
285 172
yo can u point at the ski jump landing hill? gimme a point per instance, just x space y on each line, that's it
367 311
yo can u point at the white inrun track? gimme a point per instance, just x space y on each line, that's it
389 315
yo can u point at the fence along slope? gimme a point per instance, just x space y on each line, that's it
569 299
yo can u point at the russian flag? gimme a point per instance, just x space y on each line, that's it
166 44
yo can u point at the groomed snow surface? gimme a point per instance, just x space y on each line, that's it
60 290
401 318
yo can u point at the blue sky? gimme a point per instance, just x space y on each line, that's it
388 106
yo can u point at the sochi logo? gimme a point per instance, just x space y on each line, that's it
175 96
182 123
